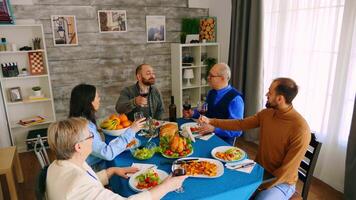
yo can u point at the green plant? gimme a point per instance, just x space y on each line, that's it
210 62
183 36
190 25
36 88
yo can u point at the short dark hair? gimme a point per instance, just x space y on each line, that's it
287 88
139 68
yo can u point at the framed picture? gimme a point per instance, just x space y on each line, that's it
64 30
6 15
156 28
112 21
208 29
15 94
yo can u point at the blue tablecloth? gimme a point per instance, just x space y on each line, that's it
231 185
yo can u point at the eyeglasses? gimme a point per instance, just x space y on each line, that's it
91 136
213 76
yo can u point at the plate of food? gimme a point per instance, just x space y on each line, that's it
200 167
146 179
192 125
133 144
228 154
176 146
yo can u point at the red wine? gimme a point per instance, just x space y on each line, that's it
179 172
143 94
172 111
202 112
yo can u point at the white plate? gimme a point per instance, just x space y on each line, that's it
190 124
138 143
225 148
133 182
115 132
220 167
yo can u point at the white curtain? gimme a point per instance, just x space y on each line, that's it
314 43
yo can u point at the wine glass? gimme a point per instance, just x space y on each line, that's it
202 107
144 93
178 170
137 116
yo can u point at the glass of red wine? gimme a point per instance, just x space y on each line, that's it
202 107
178 170
137 116
144 93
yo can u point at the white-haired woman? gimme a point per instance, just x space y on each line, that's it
70 177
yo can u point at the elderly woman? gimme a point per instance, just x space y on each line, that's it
70 177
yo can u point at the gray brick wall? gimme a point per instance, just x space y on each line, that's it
107 60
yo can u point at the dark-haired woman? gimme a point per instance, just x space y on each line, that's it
85 102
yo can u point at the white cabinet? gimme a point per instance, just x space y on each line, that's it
22 35
187 58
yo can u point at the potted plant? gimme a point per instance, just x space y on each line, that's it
37 91
190 26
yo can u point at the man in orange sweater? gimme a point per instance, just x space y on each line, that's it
284 138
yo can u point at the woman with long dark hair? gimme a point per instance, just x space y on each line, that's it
85 102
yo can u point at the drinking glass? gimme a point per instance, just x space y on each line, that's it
137 116
202 107
144 93
178 170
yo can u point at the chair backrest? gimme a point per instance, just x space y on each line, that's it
307 166
41 153
40 189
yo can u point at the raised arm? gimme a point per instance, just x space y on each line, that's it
125 103
234 124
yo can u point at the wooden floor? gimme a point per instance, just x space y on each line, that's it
26 191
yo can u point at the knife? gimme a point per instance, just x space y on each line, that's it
243 165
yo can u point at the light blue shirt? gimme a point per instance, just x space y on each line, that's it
102 151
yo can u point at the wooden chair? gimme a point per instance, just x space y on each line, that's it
306 168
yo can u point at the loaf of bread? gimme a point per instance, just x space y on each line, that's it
168 130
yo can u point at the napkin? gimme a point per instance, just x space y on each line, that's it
141 167
247 169
205 137
186 132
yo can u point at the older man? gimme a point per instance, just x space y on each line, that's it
142 96
224 102
284 138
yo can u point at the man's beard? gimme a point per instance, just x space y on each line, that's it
148 82
269 105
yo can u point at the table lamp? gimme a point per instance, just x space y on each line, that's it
188 74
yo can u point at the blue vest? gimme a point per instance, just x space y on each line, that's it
221 109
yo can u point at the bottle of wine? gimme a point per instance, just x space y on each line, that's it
172 111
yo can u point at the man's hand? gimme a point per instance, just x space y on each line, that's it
203 120
141 101
188 113
205 129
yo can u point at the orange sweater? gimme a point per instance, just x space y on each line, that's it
284 139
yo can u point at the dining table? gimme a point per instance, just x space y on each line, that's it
232 184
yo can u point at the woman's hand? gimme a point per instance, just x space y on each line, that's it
121 171
138 124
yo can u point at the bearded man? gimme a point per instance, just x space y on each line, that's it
142 96
284 138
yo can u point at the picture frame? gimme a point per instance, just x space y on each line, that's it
112 21
64 29
156 28
15 94
6 12
192 37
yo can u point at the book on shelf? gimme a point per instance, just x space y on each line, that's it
31 121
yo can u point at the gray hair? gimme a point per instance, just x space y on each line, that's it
224 70
64 134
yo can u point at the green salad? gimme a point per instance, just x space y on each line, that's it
143 154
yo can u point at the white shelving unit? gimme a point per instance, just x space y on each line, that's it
196 91
22 35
